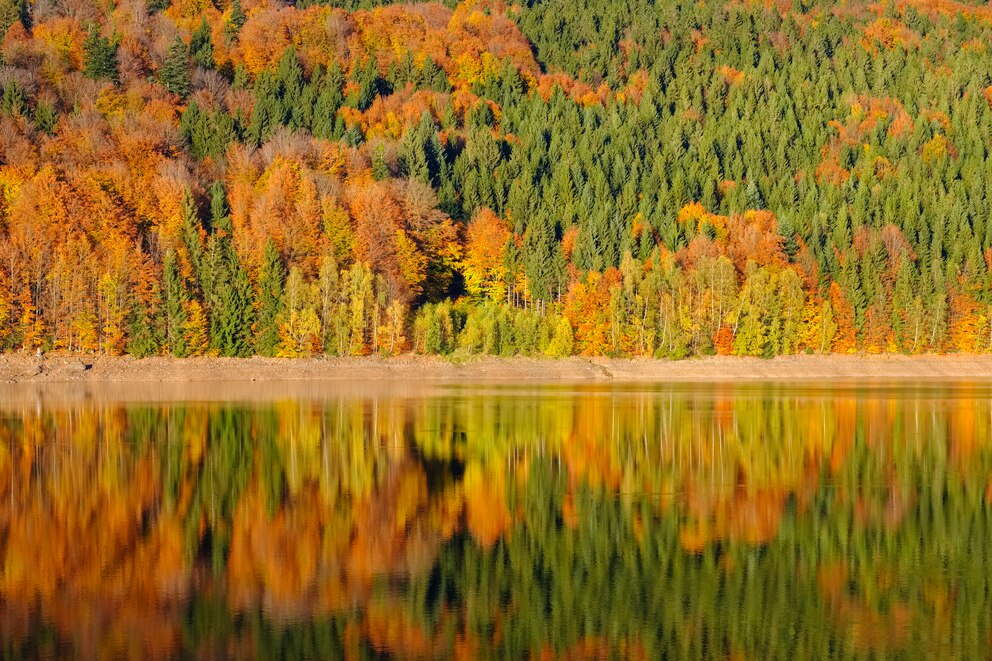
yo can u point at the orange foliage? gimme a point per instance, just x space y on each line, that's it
888 33
723 341
845 337
389 117
694 213
587 306
934 8
963 324
731 76
485 505
866 114
485 249
754 236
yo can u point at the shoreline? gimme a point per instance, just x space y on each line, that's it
24 369
62 381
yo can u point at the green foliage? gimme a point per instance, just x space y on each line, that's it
176 74
226 287
13 101
13 11
207 133
201 46
99 56
270 303
175 296
45 117
237 19
380 171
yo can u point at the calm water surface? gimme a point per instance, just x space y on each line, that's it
699 522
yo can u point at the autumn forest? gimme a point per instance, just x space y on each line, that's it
553 177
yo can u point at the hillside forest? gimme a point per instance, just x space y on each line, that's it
553 177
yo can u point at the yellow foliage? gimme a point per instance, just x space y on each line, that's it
935 149
114 104
412 262
195 329
65 39
299 335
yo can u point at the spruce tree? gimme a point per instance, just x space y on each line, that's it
228 291
99 56
237 19
380 171
45 117
201 46
190 233
175 74
328 102
270 286
174 306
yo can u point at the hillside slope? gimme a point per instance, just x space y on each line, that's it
604 177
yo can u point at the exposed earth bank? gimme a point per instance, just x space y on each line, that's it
20 368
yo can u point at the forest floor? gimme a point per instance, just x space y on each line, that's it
23 368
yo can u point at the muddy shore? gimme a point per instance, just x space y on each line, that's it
24 369
50 380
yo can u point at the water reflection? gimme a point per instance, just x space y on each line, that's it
709 521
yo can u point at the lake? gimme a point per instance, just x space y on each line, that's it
710 521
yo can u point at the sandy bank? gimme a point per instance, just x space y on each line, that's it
22 369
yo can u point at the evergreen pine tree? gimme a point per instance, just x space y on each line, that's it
190 233
380 171
270 286
327 104
99 56
289 79
174 306
175 74
45 117
228 292
238 17
201 46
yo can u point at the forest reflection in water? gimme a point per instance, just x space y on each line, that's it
767 521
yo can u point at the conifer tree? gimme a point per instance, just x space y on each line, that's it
45 117
190 233
175 74
228 290
99 56
237 19
201 46
329 99
174 306
380 171
270 287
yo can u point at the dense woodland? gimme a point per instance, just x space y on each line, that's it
617 177
729 523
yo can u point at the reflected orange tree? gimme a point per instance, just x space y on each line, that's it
743 522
